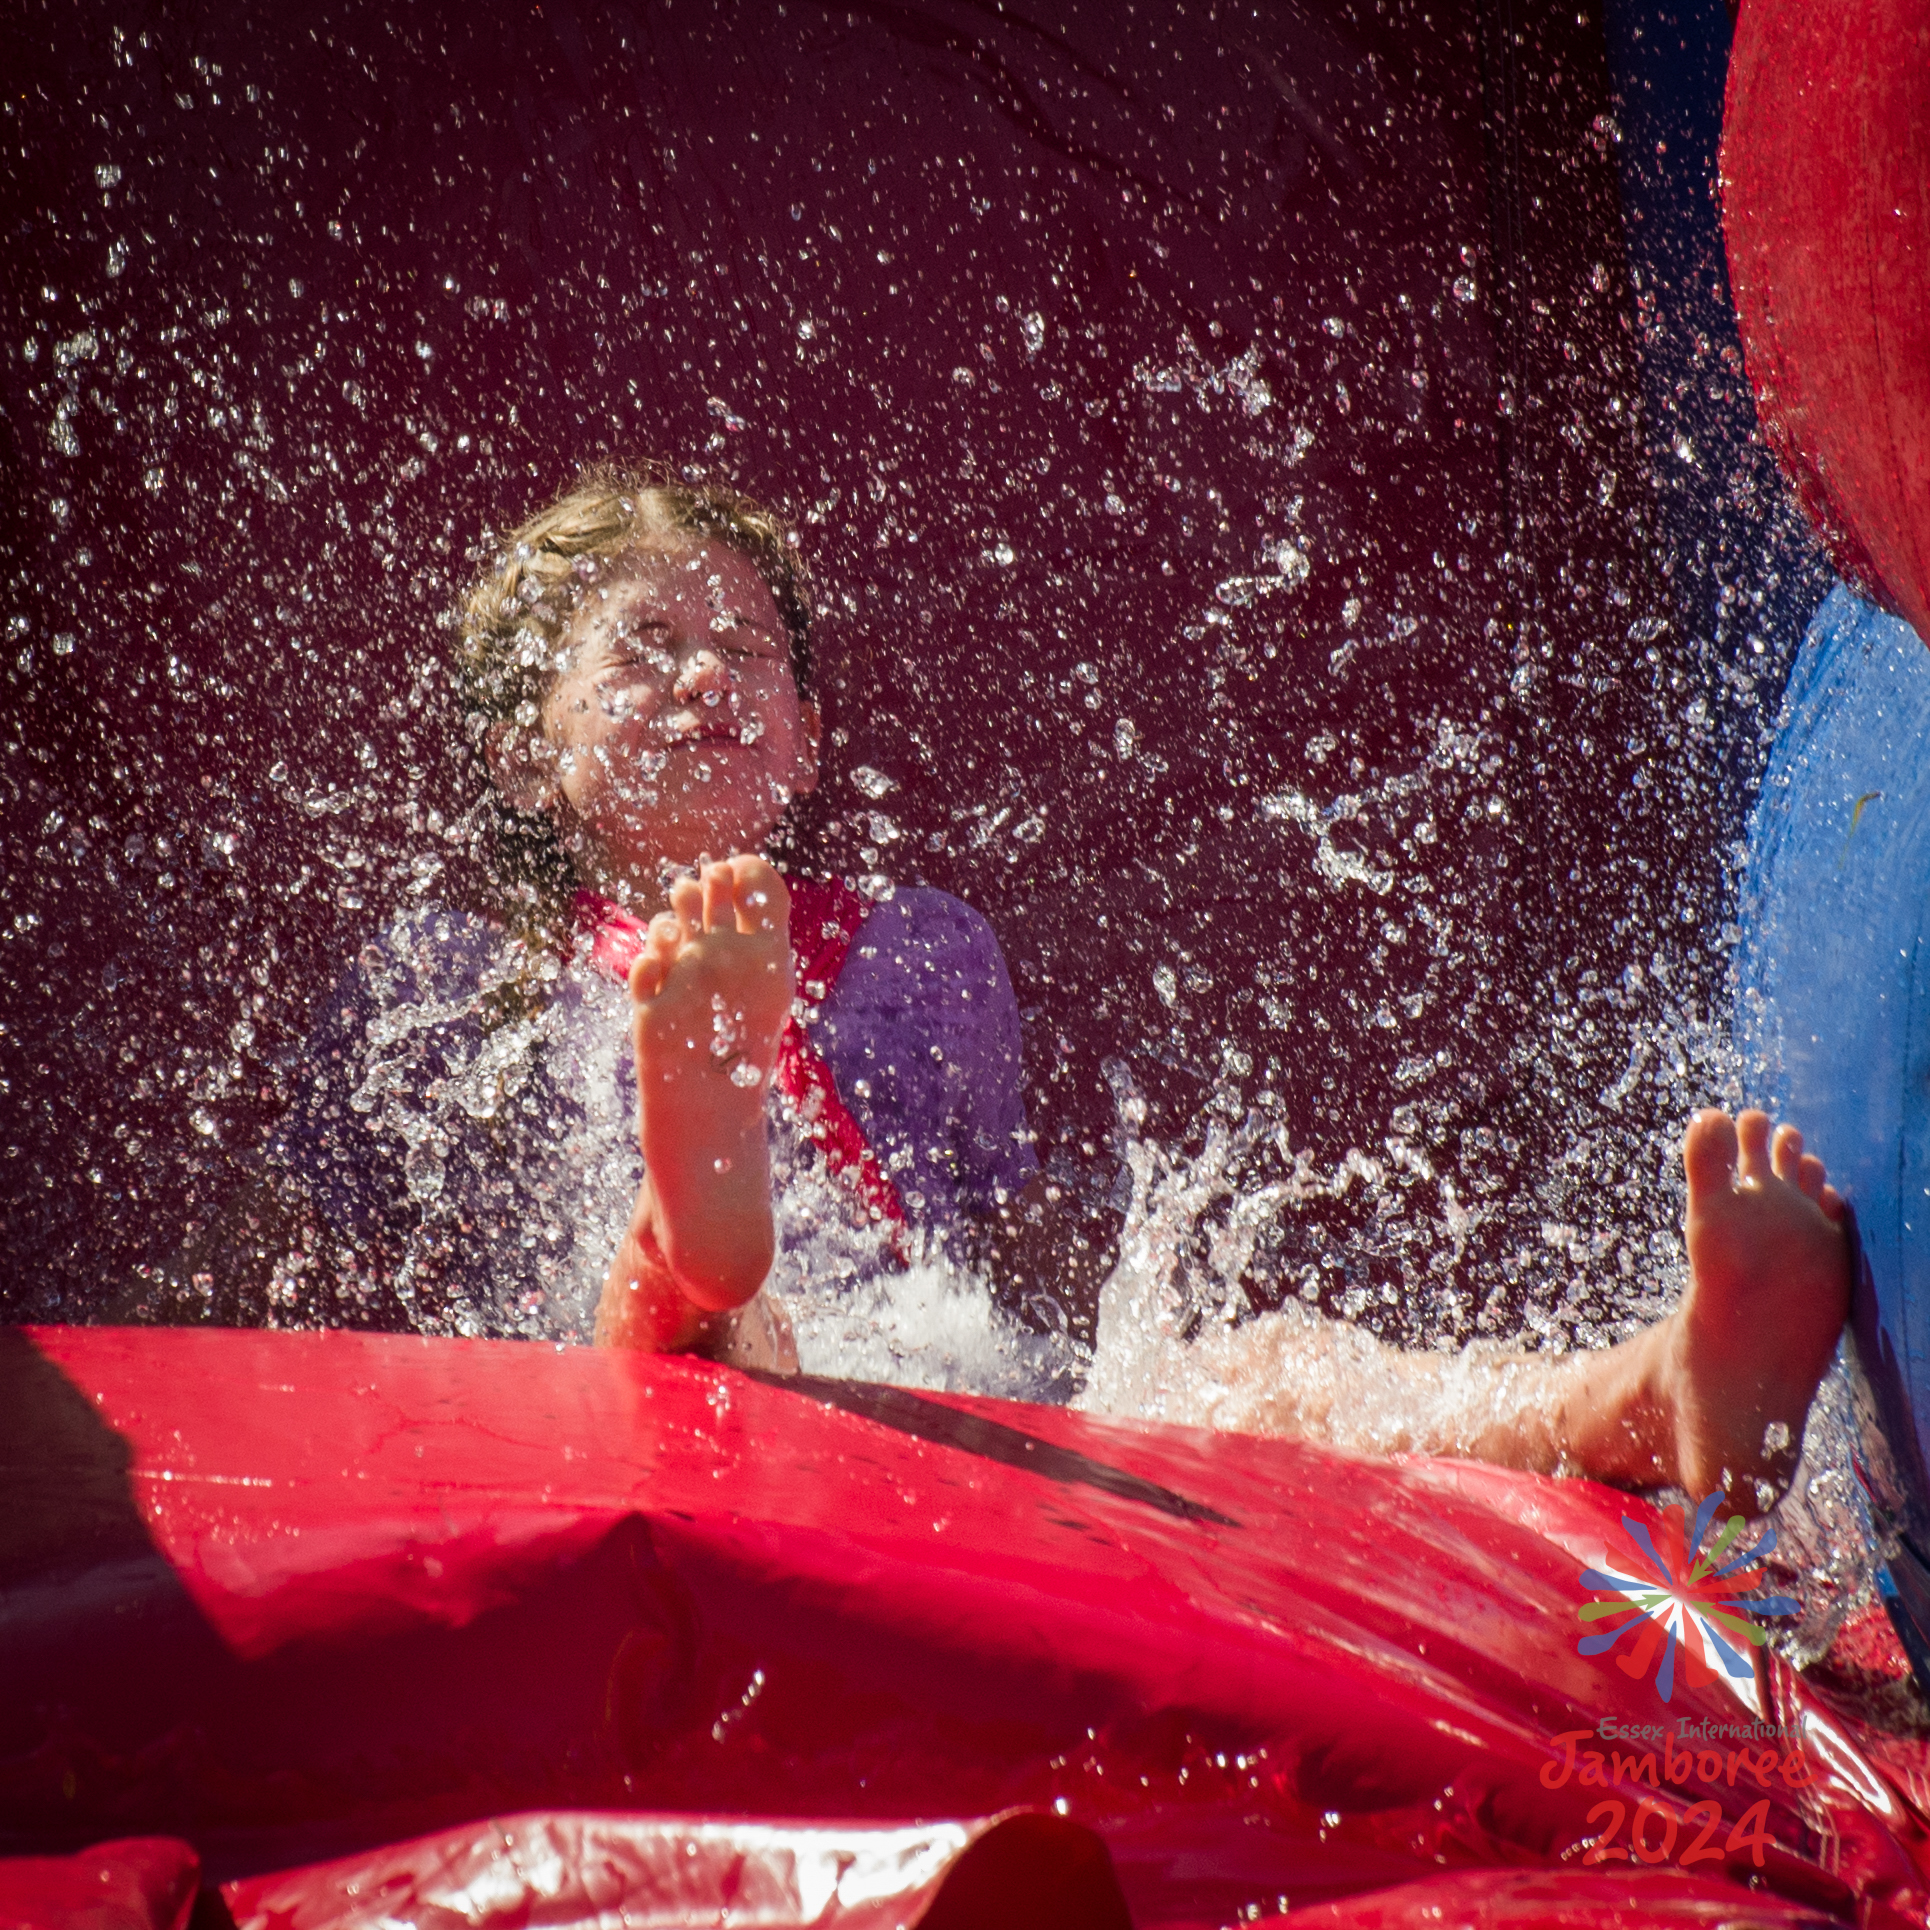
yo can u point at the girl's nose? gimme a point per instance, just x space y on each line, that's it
703 674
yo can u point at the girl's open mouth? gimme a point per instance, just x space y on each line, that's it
731 732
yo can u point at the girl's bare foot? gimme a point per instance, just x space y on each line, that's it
712 989
1738 1363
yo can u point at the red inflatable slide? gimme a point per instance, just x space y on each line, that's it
372 1629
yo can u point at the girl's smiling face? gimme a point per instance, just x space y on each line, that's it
674 730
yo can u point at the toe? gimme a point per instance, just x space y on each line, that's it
762 899
720 913
1752 1134
1786 1153
1709 1154
660 947
1810 1175
646 977
687 905
1831 1201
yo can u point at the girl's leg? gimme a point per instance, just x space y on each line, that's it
712 991
1714 1396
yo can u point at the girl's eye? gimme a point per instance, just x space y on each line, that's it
635 654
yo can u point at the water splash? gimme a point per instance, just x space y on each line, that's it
258 468
1198 1231
935 1326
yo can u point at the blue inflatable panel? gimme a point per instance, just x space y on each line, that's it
1834 1013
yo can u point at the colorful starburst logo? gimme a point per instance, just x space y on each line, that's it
1692 1607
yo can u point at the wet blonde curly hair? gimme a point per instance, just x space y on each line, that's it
512 624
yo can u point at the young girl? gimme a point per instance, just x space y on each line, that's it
580 1112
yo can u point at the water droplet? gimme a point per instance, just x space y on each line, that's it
1291 562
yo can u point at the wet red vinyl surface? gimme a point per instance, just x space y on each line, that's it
145 1883
294 1596
1019 1870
